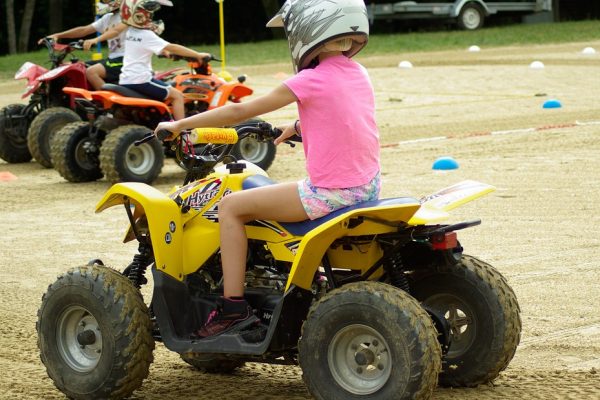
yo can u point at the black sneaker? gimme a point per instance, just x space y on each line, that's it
230 315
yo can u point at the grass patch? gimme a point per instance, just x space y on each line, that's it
276 51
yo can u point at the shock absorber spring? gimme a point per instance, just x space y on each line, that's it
137 269
395 269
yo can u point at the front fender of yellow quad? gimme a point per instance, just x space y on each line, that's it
164 221
361 221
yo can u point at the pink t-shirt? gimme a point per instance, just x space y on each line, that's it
336 105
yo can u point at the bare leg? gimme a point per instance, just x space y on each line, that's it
176 103
95 75
279 202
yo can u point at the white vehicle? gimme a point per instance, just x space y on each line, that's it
468 14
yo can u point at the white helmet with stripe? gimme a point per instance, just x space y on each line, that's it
310 24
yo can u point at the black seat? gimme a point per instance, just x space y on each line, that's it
122 90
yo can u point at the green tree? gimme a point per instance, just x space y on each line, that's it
26 26
10 26
20 45
55 16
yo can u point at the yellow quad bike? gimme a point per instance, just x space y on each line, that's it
373 301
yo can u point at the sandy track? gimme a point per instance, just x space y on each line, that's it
540 228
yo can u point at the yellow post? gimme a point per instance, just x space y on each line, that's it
98 54
223 74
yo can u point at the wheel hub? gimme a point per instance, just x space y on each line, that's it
364 357
359 359
460 319
472 19
253 150
79 339
140 159
86 337
86 155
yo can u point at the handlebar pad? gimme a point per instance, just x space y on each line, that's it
214 135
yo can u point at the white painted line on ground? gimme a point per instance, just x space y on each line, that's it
507 132
432 139
494 133
582 123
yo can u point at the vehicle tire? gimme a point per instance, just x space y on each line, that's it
94 334
43 128
257 152
471 17
13 134
75 153
212 363
483 316
369 340
122 161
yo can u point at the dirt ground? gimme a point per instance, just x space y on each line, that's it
540 227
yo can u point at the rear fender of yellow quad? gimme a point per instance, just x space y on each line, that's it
164 222
435 207
361 221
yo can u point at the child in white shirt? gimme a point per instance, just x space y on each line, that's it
141 43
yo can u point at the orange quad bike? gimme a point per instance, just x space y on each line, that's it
118 117
25 129
200 87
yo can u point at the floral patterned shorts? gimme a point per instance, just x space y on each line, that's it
318 201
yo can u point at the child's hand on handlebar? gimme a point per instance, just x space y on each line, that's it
87 44
287 132
168 126
49 37
203 56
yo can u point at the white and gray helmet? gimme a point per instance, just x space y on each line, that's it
309 24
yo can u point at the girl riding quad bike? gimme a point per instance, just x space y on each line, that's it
373 301
117 117
372 298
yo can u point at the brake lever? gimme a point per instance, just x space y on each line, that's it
78 45
160 135
276 132
148 137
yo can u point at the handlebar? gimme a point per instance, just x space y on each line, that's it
51 45
264 131
58 52
176 57
199 159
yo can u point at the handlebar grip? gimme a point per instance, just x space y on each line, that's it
163 134
276 132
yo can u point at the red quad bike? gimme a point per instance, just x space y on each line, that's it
117 117
25 129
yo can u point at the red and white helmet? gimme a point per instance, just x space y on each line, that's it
310 24
107 6
139 14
